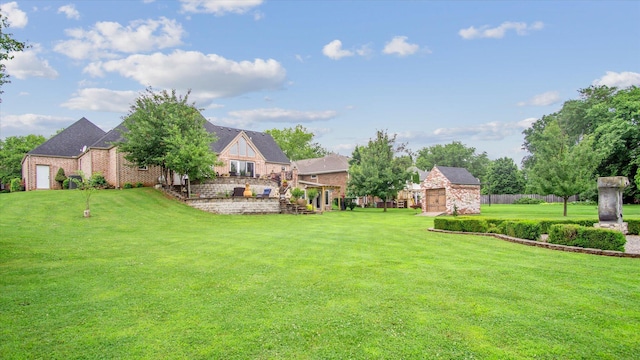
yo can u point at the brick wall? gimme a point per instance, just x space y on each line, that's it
129 173
70 166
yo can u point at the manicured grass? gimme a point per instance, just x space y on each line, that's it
552 211
147 277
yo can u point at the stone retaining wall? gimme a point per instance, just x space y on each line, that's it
237 205
222 186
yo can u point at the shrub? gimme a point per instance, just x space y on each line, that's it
530 230
546 224
127 185
297 193
16 185
528 200
309 207
61 177
139 184
65 184
98 181
634 226
586 237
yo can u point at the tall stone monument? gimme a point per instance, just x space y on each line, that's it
610 203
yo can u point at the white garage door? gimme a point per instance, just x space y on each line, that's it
42 177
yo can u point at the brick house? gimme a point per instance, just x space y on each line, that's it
447 189
85 147
328 174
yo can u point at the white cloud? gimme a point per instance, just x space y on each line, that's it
31 123
283 115
520 28
210 76
107 38
219 7
15 17
620 80
70 11
544 99
333 50
399 46
27 64
99 99
248 118
490 131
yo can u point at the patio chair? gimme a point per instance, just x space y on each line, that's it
238 191
265 194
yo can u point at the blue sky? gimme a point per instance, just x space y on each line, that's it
431 72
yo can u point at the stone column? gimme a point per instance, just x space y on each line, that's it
610 203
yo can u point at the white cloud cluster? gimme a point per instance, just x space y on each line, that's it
15 17
107 38
98 99
490 131
520 28
70 11
31 123
396 46
334 50
210 76
544 99
27 64
399 46
248 118
219 7
620 80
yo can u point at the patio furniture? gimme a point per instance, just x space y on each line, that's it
265 194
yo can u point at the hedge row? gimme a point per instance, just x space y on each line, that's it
575 235
634 226
566 232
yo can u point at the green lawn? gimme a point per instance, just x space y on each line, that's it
148 277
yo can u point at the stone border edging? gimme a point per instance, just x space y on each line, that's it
575 249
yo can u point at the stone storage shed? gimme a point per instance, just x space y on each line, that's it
447 189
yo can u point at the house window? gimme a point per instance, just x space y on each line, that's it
143 168
242 148
314 177
244 168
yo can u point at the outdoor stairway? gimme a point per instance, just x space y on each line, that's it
287 208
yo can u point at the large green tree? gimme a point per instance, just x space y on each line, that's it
297 143
562 168
8 45
611 117
454 154
164 129
376 169
12 150
504 177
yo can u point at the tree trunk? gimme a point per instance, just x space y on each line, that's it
565 198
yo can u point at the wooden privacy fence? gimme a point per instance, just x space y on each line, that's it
510 198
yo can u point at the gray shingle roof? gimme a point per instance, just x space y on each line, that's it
263 141
458 176
328 164
110 138
70 141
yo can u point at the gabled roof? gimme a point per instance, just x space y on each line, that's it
110 138
329 164
71 141
422 174
458 176
263 141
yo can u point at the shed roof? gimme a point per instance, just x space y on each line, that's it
327 164
458 176
71 141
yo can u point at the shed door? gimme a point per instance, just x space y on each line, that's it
436 200
42 177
